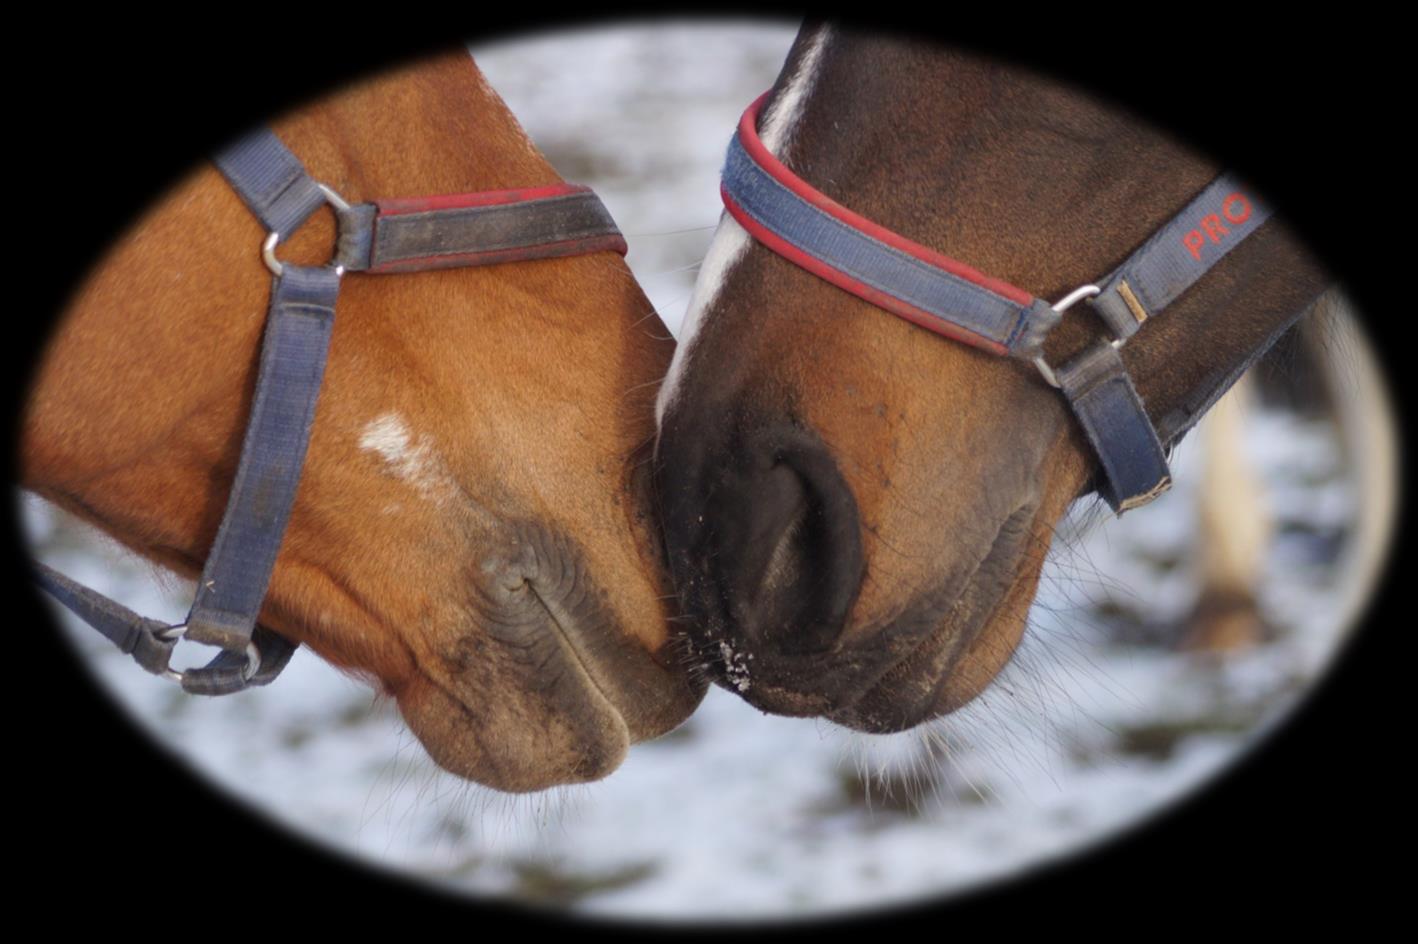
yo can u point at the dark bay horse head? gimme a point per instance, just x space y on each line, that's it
857 510
471 528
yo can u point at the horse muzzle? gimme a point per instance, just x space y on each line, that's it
763 538
765 546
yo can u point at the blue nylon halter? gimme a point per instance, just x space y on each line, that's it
461 230
809 229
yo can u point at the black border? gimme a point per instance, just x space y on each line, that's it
1298 833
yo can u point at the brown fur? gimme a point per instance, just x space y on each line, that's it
941 444
533 382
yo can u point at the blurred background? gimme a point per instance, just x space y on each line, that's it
1142 675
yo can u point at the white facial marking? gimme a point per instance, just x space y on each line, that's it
782 116
727 248
414 462
731 240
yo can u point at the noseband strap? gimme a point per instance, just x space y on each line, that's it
915 282
386 236
948 297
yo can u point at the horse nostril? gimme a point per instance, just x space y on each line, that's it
776 511
787 546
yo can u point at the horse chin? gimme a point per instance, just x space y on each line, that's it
498 746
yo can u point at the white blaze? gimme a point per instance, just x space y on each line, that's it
731 240
415 462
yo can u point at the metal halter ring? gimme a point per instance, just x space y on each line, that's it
174 633
1060 306
268 248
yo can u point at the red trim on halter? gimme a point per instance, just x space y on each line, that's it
567 247
748 136
837 277
456 201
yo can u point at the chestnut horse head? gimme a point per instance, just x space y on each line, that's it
857 510
471 527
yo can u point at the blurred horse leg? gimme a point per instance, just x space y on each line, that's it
1233 533
1235 526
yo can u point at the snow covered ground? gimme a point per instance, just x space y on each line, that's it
740 814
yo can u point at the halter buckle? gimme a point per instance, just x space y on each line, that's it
268 248
1060 306
174 633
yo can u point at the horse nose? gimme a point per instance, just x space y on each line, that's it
777 537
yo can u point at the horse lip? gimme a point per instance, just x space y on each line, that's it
824 669
922 636
569 632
